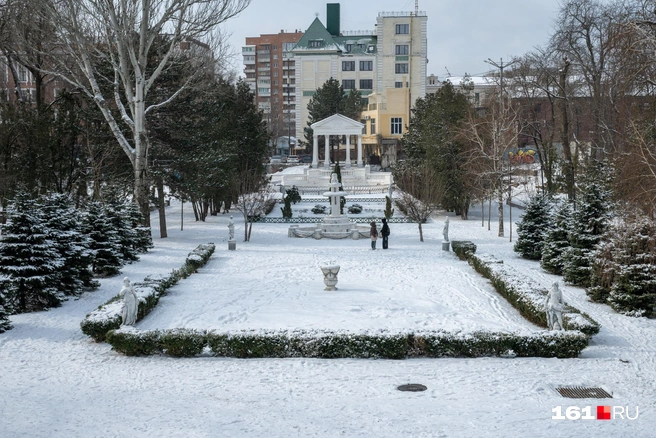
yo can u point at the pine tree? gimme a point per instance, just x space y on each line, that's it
106 243
65 230
29 259
589 223
115 211
532 229
556 241
624 269
143 240
389 211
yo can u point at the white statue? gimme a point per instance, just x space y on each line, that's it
130 303
231 229
554 308
445 231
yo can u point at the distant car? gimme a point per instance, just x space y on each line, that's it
292 159
283 159
305 159
275 159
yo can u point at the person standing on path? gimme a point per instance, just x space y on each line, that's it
374 235
385 232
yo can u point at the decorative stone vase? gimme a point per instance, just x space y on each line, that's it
330 276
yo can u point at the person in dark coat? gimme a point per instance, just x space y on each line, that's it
385 232
374 235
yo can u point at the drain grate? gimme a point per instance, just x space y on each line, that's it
412 387
582 392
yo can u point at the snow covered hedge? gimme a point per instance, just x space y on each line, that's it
337 344
527 296
108 316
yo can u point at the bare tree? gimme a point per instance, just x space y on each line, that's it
492 135
254 197
420 191
122 35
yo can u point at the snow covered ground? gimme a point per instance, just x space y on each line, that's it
57 382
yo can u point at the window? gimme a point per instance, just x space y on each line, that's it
264 90
275 56
362 47
316 43
249 58
477 98
348 84
398 84
397 125
400 68
349 47
364 127
275 65
348 65
275 74
366 65
366 84
275 82
372 122
288 46
402 49
275 47
402 29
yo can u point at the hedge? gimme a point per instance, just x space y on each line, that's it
527 296
108 316
330 344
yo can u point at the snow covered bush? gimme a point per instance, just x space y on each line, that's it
532 229
389 211
327 344
5 324
463 248
107 317
355 209
624 268
319 209
29 260
556 240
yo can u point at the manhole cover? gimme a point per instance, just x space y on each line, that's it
582 392
412 387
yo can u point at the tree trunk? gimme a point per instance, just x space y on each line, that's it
500 201
567 152
421 233
162 211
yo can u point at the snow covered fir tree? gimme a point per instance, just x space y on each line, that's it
556 240
590 221
5 324
624 268
29 259
105 240
74 248
532 229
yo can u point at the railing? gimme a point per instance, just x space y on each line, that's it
317 220
402 14
358 32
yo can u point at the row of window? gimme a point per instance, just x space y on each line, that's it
364 65
396 126
365 84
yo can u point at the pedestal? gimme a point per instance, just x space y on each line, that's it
330 276
232 245
445 246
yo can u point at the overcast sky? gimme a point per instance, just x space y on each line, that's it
461 33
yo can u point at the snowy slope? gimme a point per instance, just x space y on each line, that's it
55 382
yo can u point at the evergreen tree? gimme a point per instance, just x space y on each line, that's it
389 211
287 209
65 230
624 269
532 229
143 241
105 241
5 324
294 195
556 241
29 259
589 223
116 212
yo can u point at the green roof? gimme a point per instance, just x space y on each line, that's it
317 39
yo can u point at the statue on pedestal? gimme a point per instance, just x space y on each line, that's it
130 303
231 229
445 231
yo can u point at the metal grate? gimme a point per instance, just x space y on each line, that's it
412 387
582 392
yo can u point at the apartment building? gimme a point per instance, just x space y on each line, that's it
270 72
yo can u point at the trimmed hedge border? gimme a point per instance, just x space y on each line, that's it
524 294
332 345
108 316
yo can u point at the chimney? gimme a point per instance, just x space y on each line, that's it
332 18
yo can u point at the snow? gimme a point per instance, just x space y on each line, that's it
56 382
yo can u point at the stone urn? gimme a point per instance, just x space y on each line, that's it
330 276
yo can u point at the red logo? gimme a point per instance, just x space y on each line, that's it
603 412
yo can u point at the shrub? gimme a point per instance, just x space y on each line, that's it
355 209
319 209
182 343
293 195
287 209
389 211
463 248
